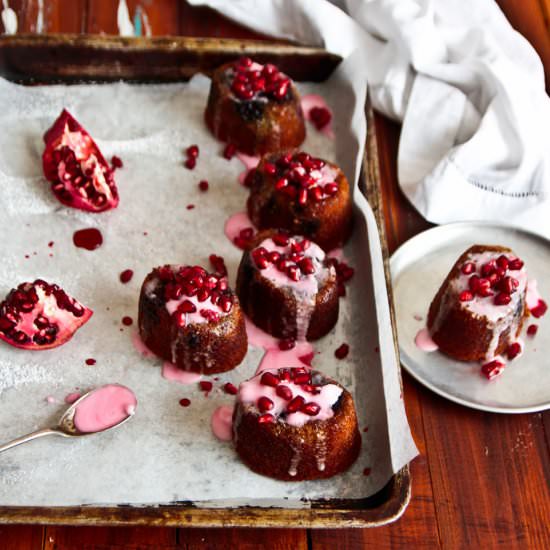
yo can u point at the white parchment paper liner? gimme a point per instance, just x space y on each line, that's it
167 453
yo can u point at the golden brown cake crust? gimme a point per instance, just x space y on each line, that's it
270 448
460 334
281 125
273 309
329 222
207 348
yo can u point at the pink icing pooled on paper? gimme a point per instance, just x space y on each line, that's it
235 224
174 374
104 408
251 390
222 423
424 341
140 347
311 101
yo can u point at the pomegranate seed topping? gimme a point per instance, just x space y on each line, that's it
502 299
210 315
513 350
205 385
229 151
203 294
468 267
274 257
295 404
302 196
187 307
342 351
116 162
301 377
330 188
245 61
515 264
269 379
229 388
280 239
466 296
265 404
473 283
266 418
485 292
203 185
307 267
502 262
192 151
532 330
320 116
126 276
281 183
284 391
307 358
270 168
293 273
226 303
218 264
540 309
492 369
190 163
285 345
311 409
179 318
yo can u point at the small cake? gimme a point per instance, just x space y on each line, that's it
287 288
294 425
479 310
304 195
192 318
254 107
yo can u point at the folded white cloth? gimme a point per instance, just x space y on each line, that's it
467 87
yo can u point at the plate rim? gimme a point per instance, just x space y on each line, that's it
410 369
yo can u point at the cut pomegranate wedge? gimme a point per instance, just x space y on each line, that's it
40 316
78 172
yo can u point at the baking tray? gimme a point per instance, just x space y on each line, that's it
67 58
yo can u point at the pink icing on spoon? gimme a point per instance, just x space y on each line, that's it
424 341
222 423
174 374
313 100
235 224
249 163
103 408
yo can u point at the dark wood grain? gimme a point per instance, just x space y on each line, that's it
243 539
21 537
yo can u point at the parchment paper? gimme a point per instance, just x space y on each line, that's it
167 453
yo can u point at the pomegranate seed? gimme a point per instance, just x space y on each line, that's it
126 276
281 183
295 404
342 351
190 163
274 257
187 307
241 243
230 388
229 151
540 309
301 377
210 315
280 239
488 268
502 262
513 350
485 292
203 185
311 409
218 264
473 283
244 61
90 361
226 303
116 162
508 285
203 294
468 267
179 318
466 296
222 285
265 404
307 358
285 345
302 196
246 233
515 265
127 321
185 402
502 299
320 116
269 379
492 369
307 267
266 418
330 188
284 391
293 273
270 168
192 151
205 385
531 329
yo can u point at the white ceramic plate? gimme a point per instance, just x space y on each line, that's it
419 267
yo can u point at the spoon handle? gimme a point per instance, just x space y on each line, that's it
30 437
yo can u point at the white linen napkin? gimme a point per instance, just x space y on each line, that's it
468 89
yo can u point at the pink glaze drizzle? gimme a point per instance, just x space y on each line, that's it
424 341
175 374
310 101
140 346
236 223
249 163
104 408
222 423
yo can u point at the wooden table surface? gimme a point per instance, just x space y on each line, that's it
481 480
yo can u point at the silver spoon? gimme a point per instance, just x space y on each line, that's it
65 427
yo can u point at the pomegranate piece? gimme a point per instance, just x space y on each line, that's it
532 330
80 176
513 350
540 309
218 264
492 369
342 351
40 315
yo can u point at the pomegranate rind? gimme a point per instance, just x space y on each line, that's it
66 330
52 139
